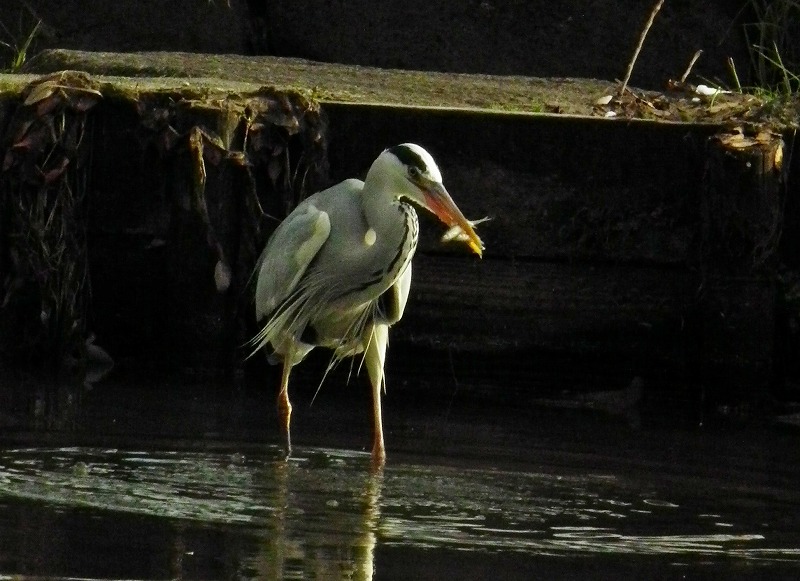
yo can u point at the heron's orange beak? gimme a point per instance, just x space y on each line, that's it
438 201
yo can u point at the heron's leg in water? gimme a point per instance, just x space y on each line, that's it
285 406
378 449
374 358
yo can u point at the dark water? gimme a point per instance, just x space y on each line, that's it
80 512
186 482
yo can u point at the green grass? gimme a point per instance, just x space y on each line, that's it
14 49
772 44
786 81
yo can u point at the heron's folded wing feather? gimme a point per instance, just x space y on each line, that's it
289 252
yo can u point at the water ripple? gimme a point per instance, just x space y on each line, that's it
330 498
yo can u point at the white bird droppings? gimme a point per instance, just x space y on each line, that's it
707 91
369 237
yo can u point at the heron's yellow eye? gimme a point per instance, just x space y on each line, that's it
413 171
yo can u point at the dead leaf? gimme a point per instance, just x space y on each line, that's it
48 105
53 174
777 161
212 154
40 92
84 102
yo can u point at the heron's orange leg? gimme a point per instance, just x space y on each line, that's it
378 449
377 338
285 406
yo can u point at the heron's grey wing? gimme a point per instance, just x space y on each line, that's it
288 253
295 244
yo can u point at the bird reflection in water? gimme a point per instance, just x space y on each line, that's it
324 525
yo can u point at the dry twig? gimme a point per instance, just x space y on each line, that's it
639 46
691 64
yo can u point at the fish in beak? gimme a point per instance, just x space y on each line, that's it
439 202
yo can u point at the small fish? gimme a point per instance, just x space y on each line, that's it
457 234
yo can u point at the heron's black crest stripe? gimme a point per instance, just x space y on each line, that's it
364 285
410 223
409 157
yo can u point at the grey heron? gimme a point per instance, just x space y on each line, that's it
336 272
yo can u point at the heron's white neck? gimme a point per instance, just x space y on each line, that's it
382 190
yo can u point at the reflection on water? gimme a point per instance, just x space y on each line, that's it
313 515
323 515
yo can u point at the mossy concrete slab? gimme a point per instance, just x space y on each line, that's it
353 84
328 82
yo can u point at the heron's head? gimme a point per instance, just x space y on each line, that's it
410 173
